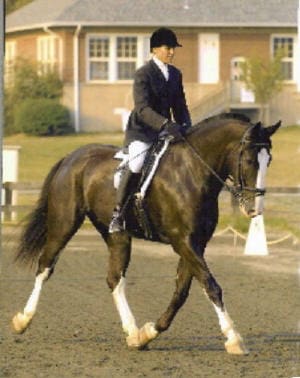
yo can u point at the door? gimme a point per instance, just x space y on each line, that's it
209 58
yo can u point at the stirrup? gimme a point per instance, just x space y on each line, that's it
117 223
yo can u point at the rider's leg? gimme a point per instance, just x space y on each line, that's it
117 221
137 153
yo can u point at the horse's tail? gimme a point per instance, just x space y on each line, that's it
33 236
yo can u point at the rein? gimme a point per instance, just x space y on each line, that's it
235 190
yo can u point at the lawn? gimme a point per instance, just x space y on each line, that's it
38 154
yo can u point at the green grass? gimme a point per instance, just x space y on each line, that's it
38 154
284 169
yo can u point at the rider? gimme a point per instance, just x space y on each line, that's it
158 100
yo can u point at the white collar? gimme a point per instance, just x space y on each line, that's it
162 66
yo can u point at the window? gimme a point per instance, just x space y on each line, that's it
115 58
10 57
48 53
126 57
287 45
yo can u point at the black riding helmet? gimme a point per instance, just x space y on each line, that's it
163 36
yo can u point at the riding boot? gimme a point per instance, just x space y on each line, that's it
117 221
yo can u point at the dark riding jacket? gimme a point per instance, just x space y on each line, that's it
156 101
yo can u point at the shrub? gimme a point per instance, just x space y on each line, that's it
42 116
27 82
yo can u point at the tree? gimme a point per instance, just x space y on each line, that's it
264 79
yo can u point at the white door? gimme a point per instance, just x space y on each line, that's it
209 58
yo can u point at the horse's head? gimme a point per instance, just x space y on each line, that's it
250 168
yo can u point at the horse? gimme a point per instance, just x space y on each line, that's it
181 205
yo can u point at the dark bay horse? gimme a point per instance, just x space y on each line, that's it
182 205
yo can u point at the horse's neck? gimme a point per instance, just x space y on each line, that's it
213 143
215 147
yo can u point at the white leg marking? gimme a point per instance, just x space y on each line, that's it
127 318
234 343
225 322
31 306
22 320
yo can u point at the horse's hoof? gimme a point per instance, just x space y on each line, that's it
141 339
147 333
20 323
236 347
133 341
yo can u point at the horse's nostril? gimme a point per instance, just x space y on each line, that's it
252 213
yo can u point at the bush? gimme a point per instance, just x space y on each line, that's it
27 82
42 116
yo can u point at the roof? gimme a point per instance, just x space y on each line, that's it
172 13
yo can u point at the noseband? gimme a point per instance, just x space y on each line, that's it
236 190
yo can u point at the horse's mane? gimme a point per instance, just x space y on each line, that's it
215 120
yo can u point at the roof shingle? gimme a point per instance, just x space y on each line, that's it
176 13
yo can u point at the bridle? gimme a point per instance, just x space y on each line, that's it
238 189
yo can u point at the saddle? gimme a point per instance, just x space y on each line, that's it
138 195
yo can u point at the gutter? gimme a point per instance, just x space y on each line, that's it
179 24
76 89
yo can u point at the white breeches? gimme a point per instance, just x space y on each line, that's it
137 151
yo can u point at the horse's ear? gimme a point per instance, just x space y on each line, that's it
272 129
255 130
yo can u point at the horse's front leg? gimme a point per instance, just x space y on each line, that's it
183 283
234 343
119 245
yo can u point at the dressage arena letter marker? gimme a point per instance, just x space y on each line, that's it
256 243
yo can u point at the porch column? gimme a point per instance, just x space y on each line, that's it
76 88
297 55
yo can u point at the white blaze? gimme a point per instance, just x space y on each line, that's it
263 160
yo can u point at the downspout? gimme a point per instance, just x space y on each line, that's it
76 79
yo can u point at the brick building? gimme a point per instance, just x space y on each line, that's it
97 45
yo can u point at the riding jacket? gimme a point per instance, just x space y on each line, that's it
157 101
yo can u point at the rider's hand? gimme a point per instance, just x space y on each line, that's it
172 129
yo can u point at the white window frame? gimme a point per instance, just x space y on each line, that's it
49 52
143 43
10 60
293 59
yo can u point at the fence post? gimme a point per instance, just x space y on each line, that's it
8 196
10 156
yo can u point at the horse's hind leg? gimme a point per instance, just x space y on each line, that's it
57 237
183 284
21 321
119 245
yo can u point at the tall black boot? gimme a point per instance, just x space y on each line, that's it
117 221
